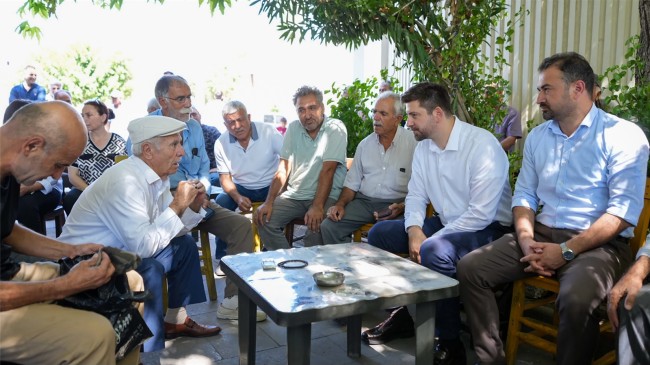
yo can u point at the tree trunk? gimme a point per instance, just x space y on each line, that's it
643 75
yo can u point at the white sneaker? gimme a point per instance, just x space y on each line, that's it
229 309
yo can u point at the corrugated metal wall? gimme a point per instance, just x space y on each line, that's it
597 29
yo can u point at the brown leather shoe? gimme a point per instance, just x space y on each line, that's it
190 329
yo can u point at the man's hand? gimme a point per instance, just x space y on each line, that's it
416 237
83 249
244 203
543 257
630 284
91 273
314 217
263 213
396 210
336 212
187 193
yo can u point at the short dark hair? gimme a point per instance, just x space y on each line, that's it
13 107
101 108
308 90
574 67
430 96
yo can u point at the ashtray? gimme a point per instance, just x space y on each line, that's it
329 278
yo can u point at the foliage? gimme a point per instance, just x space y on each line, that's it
351 104
627 101
86 74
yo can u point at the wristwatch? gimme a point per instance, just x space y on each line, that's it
567 253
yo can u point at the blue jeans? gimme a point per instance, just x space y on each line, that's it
440 254
227 202
179 261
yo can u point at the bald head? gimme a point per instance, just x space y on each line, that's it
44 138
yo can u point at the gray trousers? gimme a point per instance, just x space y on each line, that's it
584 283
634 331
233 228
284 211
357 213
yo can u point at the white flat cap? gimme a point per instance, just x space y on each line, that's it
152 126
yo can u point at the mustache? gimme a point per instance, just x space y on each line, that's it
186 110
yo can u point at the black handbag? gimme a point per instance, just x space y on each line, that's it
114 300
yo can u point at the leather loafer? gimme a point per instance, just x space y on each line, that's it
398 325
449 352
190 329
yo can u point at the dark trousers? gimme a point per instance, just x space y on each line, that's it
634 331
179 261
584 283
32 207
70 198
224 200
438 253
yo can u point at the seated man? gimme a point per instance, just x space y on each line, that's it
175 98
247 157
463 172
40 140
378 177
579 192
130 207
312 164
210 136
634 314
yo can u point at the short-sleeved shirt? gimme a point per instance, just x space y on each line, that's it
380 173
9 194
210 135
94 161
36 93
511 126
254 167
306 157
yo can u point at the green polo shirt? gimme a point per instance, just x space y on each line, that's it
306 157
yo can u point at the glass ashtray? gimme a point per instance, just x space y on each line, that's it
329 278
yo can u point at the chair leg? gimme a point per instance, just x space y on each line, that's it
208 268
58 224
288 233
514 326
356 237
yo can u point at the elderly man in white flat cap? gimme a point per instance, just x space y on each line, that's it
130 207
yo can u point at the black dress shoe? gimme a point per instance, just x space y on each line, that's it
398 325
449 352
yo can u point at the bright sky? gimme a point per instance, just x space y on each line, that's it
183 38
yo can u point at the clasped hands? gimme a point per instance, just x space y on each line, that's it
543 258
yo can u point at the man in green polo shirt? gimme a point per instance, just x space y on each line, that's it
312 165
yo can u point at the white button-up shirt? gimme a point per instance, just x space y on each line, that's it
128 208
379 173
467 182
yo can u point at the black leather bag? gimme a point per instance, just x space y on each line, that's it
114 300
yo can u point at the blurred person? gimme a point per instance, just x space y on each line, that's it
385 86
99 154
508 131
40 140
152 105
210 135
63 95
282 128
28 89
55 85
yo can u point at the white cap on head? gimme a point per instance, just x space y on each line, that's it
152 126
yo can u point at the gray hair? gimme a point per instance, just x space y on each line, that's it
308 90
163 84
233 106
153 104
397 99
136 148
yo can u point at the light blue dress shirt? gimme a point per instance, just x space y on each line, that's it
575 179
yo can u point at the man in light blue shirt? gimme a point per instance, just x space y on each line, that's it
584 172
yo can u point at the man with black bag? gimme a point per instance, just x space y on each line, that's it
40 140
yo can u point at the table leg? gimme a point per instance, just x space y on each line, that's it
354 336
425 326
247 329
298 344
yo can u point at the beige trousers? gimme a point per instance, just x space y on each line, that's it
45 333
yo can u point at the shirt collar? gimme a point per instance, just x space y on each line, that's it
149 174
587 121
453 144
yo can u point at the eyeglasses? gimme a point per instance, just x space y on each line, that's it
179 99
